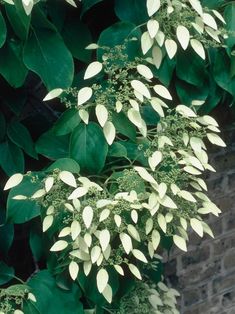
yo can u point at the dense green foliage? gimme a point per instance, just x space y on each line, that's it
114 166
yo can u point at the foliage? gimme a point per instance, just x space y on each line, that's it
119 162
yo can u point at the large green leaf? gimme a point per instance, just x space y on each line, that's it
19 135
11 158
67 122
213 4
116 35
6 273
46 54
124 126
3 30
22 211
87 4
191 68
53 147
2 126
67 164
11 64
166 70
89 147
222 72
18 19
187 92
134 11
229 15
51 299
6 233
76 37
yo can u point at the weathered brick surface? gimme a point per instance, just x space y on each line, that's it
205 275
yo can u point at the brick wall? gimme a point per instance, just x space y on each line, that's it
205 275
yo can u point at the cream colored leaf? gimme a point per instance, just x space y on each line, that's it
84 95
215 139
168 202
104 238
171 47
28 6
140 88
153 27
77 193
118 106
87 267
183 223
118 220
209 20
59 246
198 48
16 312
135 271
88 239
75 229
212 33
207 120
145 175
49 183
135 117
101 114
197 226
13 181
144 71
19 197
207 229
71 2
162 188
126 242
73 270
109 132
47 222
196 5
139 255
64 232
32 297
87 216
160 38
155 160
84 115
102 279
196 144
219 16
162 222
187 196
157 56
162 91
134 216
92 46
192 170
53 94
180 242
148 226
155 239
38 194
104 215
183 36
146 42
186 111
133 232
153 6
150 249
95 254
68 178
119 269
93 69
108 293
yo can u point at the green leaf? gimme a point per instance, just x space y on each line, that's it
221 71
67 122
6 233
3 30
20 136
123 125
89 147
11 158
77 37
134 11
66 164
134 153
87 4
51 299
36 241
116 35
232 70
6 273
149 115
191 68
165 72
11 65
187 92
2 127
46 54
23 210
117 150
53 147
229 16
213 4
18 19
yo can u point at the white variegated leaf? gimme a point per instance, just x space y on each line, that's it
108 293
187 196
13 181
84 115
209 20
180 242
119 269
197 226
109 132
133 232
196 5
93 69
59 246
73 270
84 95
155 239
154 160
75 229
162 91
49 183
87 267
146 42
77 193
183 36
102 279
171 47
139 255
101 114
53 94
219 16
145 175
215 139
135 271
47 222
167 202
186 111
126 242
153 27
64 232
149 226
157 56
162 222
140 88
118 220
145 71
104 238
135 117
198 48
87 216
104 214
68 178
95 254
160 38
153 6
